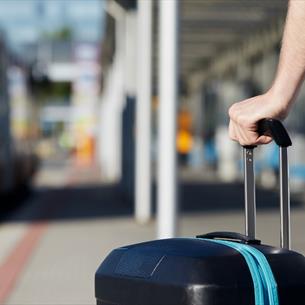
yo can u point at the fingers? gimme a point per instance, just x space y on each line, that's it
232 133
246 137
243 121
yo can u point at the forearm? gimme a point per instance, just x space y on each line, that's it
291 68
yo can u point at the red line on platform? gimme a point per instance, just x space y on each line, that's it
18 259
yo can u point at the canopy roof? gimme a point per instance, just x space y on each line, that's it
217 33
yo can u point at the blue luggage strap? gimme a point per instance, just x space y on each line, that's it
265 286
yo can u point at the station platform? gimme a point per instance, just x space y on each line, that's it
52 245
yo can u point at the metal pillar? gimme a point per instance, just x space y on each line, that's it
168 89
143 113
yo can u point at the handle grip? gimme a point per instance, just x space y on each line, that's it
231 236
276 130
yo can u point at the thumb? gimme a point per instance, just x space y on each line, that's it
263 140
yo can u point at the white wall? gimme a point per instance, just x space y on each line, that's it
120 81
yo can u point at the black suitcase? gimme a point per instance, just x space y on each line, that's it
200 271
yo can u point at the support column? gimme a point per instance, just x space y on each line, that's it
168 89
143 113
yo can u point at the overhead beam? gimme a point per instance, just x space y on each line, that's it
256 44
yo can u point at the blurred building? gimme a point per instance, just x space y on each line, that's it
50 83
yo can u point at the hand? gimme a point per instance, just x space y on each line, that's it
245 115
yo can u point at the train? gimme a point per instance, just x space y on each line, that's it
18 163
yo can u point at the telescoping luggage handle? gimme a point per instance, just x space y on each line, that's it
277 131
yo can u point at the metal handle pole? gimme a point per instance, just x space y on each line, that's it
250 204
285 199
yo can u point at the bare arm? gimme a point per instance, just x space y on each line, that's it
276 102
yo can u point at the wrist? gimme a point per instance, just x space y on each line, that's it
285 90
279 101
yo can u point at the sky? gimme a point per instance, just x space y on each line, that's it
23 21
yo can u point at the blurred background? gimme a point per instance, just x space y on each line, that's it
82 119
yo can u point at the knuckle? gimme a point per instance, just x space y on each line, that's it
232 111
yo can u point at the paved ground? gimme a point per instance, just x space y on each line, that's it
51 247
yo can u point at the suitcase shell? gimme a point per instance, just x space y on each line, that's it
185 271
